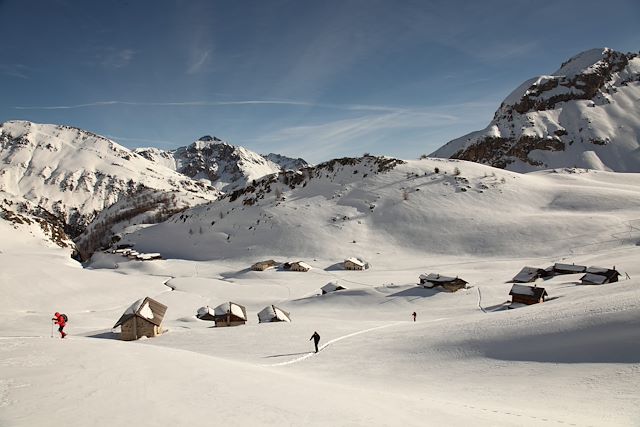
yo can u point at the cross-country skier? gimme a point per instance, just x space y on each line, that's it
414 316
316 339
59 319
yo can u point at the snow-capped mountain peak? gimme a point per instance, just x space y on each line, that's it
585 114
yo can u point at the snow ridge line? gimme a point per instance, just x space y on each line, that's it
306 356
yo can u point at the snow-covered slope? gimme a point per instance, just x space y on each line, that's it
586 114
224 165
74 174
375 207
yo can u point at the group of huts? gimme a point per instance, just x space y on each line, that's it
352 263
144 317
127 251
526 295
522 294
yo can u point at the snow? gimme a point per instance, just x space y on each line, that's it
146 312
573 359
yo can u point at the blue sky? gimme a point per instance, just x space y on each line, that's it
316 79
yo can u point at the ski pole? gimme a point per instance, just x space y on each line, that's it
52 329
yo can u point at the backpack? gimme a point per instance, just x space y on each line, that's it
64 316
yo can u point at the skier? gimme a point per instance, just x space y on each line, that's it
414 316
316 339
60 320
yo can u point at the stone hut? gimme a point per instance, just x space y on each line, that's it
450 284
331 287
299 266
525 294
264 265
355 264
272 313
142 319
599 276
230 314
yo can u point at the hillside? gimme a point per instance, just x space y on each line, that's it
586 114
74 174
375 207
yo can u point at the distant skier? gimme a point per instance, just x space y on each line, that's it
316 339
61 321
414 316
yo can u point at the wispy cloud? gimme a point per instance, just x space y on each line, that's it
201 60
14 70
265 102
116 58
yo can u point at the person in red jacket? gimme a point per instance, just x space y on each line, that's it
59 320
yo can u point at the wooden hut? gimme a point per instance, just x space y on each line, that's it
530 274
599 276
230 314
299 266
142 319
264 265
450 284
525 294
331 287
355 264
272 313
559 268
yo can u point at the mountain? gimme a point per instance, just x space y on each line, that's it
224 165
586 114
74 174
373 207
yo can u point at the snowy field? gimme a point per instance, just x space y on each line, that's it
467 361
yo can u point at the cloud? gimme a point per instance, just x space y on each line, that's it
113 58
14 70
200 61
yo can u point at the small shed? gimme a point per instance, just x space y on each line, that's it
530 274
525 294
355 264
559 268
331 287
206 313
264 265
272 313
600 276
299 266
142 319
450 284
230 314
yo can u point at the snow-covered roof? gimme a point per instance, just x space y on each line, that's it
203 311
302 264
597 270
522 290
146 308
231 307
436 278
272 313
356 261
331 287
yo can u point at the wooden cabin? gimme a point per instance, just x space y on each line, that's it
559 268
264 265
272 313
331 287
450 284
530 274
599 276
230 314
206 313
355 264
525 294
299 266
142 319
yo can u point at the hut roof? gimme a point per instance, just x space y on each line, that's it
331 287
594 278
205 313
271 313
569 267
529 291
527 274
146 308
302 264
232 308
439 279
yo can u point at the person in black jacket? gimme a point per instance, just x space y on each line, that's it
316 339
